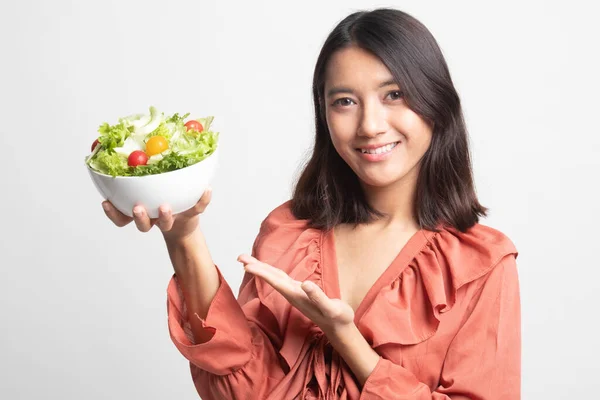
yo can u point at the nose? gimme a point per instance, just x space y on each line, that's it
373 120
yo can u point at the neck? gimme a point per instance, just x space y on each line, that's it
396 201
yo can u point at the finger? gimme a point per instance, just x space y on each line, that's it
275 277
204 201
116 216
165 218
247 259
141 219
319 298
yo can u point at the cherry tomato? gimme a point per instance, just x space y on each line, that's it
96 142
136 158
194 125
155 145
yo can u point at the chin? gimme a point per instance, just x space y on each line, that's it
378 182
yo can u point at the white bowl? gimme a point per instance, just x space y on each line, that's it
180 189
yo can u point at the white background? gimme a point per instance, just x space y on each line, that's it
83 303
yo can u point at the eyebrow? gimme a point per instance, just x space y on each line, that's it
342 89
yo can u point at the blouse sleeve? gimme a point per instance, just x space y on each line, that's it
484 358
240 358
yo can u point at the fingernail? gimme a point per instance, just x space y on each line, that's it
138 212
105 206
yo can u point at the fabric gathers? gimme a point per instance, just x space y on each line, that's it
444 318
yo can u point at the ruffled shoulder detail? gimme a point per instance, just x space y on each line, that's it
280 234
415 301
289 244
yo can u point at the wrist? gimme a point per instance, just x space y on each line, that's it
343 335
173 239
189 255
355 350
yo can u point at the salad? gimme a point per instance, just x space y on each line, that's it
146 144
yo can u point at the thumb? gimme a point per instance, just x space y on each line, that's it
318 297
204 201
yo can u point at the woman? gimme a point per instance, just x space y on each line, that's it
375 281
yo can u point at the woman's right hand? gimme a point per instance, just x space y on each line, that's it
173 227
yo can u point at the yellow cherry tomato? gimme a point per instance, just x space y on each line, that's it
156 145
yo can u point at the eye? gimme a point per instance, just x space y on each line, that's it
395 95
343 102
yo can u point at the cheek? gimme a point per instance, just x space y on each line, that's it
341 129
417 131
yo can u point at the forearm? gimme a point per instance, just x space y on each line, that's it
355 350
197 276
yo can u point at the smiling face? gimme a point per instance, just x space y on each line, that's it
371 126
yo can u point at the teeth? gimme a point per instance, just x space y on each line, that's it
379 150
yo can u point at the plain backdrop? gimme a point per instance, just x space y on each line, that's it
83 303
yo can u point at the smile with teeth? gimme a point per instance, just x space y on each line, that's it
380 150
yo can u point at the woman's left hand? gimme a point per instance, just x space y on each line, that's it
331 315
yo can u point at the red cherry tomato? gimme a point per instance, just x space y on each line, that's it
96 142
136 158
194 125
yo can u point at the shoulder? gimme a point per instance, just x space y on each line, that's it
281 232
281 217
472 254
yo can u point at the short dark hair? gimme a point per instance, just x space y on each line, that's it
328 192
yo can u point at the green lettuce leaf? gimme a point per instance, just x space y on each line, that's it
162 130
206 123
170 162
196 145
110 163
112 136
176 119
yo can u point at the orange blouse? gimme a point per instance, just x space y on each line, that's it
444 318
